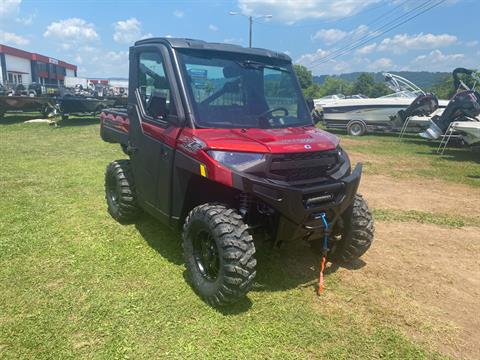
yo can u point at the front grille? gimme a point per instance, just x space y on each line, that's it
304 166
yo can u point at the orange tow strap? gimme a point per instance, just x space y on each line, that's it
321 286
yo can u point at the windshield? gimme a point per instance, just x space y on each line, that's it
232 91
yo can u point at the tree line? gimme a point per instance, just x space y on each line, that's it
366 85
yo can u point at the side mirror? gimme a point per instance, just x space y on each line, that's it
157 105
316 113
310 104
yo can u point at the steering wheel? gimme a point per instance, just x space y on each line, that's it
273 110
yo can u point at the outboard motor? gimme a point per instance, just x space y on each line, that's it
423 105
464 106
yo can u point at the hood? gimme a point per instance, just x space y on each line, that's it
285 140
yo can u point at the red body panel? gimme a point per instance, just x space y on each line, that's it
195 142
287 140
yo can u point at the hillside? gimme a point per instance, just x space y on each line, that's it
423 79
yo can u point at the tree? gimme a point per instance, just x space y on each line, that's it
445 89
304 76
364 84
313 91
379 89
335 85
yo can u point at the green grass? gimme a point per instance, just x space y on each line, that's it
423 217
74 283
416 157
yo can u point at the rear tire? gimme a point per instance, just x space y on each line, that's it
357 233
356 128
219 254
120 192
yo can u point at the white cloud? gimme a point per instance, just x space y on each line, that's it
438 61
128 31
436 56
401 43
179 14
380 64
311 59
472 43
331 36
212 27
319 65
367 49
97 62
295 10
26 20
12 39
8 7
73 30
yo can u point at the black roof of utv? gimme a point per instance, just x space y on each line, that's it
183 43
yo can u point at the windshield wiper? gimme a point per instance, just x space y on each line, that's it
249 64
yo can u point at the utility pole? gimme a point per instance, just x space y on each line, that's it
250 20
250 23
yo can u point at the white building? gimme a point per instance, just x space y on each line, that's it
22 67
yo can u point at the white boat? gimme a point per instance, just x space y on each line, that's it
469 130
358 115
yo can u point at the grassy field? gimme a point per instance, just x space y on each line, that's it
74 283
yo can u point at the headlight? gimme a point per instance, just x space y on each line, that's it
236 160
344 169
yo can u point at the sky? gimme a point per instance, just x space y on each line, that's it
327 36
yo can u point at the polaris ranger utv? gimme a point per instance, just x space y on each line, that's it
220 141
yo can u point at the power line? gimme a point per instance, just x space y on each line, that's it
367 10
345 43
370 36
384 32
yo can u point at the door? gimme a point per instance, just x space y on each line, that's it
153 130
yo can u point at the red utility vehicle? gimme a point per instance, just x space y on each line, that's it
221 141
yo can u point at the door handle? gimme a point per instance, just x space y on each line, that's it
131 149
164 153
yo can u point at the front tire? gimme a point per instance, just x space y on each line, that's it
356 234
120 192
219 254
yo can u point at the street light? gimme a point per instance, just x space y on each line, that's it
250 21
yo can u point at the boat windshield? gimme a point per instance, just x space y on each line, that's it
401 94
242 91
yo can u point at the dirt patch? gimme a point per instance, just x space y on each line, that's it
425 279
383 192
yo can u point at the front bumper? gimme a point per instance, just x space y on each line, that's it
300 206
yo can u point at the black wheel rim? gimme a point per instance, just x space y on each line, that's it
112 192
206 255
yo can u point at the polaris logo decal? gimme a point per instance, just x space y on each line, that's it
307 146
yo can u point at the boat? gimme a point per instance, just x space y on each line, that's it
72 104
462 115
361 114
469 130
45 105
